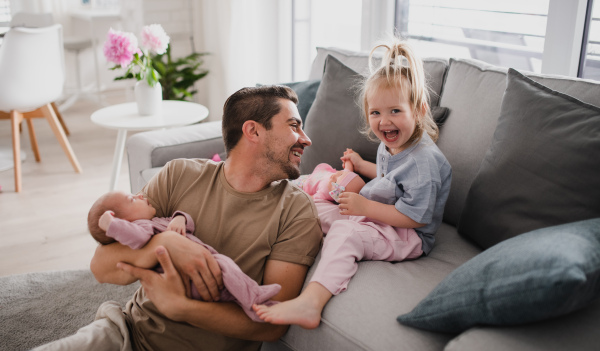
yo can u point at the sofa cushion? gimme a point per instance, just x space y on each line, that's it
576 331
435 68
364 316
307 92
335 119
542 168
542 274
473 93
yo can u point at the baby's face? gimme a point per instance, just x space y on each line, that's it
134 207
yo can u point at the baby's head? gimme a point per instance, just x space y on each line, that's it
344 181
402 77
125 206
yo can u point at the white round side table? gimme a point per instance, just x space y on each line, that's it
124 117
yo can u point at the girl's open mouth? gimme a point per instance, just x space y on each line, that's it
390 135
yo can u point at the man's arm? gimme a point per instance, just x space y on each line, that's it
167 293
193 262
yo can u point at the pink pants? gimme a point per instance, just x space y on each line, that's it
351 239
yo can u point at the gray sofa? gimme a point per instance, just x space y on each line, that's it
516 263
513 141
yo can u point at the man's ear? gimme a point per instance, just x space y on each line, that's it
252 130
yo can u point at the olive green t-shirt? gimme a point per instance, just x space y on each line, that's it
279 223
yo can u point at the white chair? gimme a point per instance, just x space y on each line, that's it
37 20
32 71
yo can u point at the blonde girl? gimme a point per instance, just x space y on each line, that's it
397 213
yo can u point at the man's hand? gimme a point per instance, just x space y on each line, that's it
352 204
177 225
195 263
166 290
105 220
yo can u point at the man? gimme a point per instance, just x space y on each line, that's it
243 209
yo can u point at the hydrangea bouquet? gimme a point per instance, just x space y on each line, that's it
121 48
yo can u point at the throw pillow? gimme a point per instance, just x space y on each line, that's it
542 166
538 275
335 119
307 92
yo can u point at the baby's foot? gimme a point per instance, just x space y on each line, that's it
300 311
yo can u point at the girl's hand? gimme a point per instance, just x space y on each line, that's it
351 160
352 204
177 225
105 220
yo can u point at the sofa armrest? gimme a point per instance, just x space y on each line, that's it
153 149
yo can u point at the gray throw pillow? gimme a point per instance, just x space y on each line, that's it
541 169
335 119
307 92
538 275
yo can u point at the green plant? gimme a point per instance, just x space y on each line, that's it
177 77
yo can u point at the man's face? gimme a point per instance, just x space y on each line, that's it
285 142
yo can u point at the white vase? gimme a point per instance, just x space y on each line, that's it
148 99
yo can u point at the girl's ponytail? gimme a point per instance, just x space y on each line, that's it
400 67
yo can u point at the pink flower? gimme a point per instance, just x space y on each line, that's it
120 47
155 39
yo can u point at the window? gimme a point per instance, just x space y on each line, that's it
322 23
590 63
4 13
507 33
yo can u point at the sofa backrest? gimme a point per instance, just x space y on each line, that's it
435 68
473 92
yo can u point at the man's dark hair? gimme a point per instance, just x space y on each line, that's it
258 104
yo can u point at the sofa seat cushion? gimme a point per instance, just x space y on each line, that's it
576 331
364 316
546 273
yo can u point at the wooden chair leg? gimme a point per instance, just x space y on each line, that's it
33 139
60 119
15 120
48 112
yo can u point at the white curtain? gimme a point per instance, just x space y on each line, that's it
243 39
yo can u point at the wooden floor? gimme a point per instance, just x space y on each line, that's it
44 228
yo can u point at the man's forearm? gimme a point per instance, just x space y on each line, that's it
106 257
226 318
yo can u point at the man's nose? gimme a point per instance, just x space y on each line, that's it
304 139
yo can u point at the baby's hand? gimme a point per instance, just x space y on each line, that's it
177 225
352 204
105 220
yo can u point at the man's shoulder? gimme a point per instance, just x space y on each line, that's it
191 163
300 205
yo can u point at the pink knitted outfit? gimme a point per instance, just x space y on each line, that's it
239 287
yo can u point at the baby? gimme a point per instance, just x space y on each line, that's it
130 220
326 183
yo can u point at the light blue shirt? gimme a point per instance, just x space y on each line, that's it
417 181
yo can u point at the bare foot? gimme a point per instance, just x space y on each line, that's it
305 310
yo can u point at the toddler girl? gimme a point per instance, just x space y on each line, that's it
129 219
397 213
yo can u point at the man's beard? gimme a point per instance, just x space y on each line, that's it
286 166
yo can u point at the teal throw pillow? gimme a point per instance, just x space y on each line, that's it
534 276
